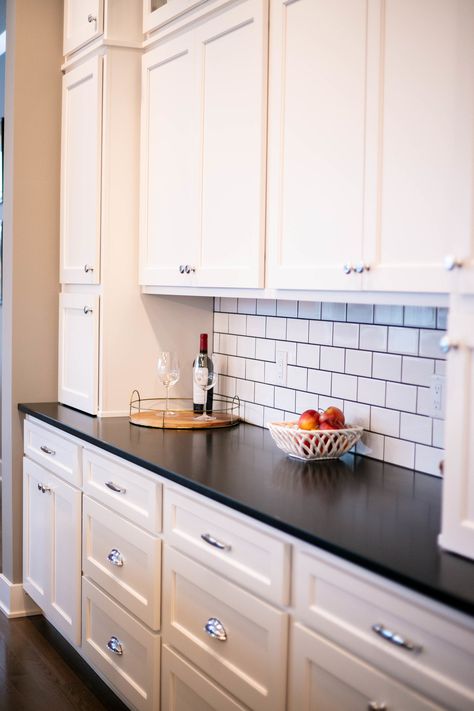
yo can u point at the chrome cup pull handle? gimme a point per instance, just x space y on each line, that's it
215 542
115 646
395 639
47 450
115 487
115 557
215 629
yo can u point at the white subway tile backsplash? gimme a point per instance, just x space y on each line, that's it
320 332
333 312
403 340
287 308
360 313
276 328
238 324
401 397
309 309
307 355
319 381
297 329
415 428
417 371
371 391
346 335
373 338
285 399
385 421
427 459
264 394
297 378
291 416
387 366
332 359
397 451
344 386
256 326
429 344
359 362
375 362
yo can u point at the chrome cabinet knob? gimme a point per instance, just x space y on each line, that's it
451 262
91 18
88 268
188 269
347 268
446 345
114 645
360 267
181 268
215 629
44 488
87 310
115 557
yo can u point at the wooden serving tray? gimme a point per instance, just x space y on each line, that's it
183 420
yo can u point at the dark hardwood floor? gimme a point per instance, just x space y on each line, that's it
40 671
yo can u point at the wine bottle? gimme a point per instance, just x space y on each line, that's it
200 397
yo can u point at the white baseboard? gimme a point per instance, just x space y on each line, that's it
14 601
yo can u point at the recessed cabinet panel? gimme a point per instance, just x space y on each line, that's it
83 22
169 208
78 351
81 174
426 169
317 94
36 534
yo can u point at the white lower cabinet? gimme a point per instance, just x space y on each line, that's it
324 677
185 688
52 547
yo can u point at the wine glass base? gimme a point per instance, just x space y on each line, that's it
170 413
204 418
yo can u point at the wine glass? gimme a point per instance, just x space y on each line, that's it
205 378
168 373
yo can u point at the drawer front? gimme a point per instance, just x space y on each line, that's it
124 560
184 687
244 647
344 603
123 488
257 561
54 451
324 677
120 648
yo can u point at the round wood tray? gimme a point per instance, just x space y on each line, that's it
150 412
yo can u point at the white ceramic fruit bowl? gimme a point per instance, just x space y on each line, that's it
313 444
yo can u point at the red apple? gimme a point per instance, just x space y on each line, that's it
334 416
309 420
328 426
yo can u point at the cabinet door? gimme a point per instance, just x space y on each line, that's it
324 677
81 174
83 22
52 548
232 60
79 351
457 531
317 98
425 174
169 163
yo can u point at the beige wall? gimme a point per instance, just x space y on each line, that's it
31 241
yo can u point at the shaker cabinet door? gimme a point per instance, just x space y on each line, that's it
79 351
83 22
81 174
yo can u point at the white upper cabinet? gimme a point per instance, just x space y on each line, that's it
371 143
203 153
317 91
83 22
81 173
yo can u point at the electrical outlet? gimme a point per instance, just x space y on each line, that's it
281 367
437 395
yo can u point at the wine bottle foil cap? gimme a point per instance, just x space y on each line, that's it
203 342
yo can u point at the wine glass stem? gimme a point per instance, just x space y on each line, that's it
167 398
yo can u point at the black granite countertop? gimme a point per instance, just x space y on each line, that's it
380 516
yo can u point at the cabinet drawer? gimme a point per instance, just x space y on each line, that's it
133 668
124 560
54 451
324 677
184 687
232 547
250 660
123 488
344 603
